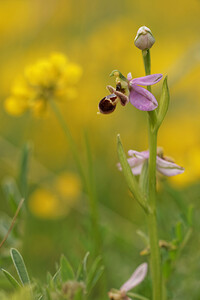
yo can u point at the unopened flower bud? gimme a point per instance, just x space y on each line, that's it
144 38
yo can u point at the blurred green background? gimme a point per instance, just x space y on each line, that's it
99 35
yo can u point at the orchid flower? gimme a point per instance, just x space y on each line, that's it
128 89
136 278
164 165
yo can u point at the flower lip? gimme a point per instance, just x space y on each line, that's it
108 104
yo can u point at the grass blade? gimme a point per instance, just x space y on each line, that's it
10 278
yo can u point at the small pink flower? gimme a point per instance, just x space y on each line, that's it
136 278
164 165
128 89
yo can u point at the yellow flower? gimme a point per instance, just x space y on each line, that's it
45 205
58 202
68 185
52 78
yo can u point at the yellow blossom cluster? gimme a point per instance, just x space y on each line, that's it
52 78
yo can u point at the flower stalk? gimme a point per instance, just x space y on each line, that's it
155 258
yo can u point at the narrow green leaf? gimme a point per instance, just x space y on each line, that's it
130 178
11 192
20 266
49 279
190 215
137 296
82 269
92 273
12 280
179 231
163 103
78 295
66 270
143 179
96 278
56 277
23 173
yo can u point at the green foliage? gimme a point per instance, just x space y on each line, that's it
20 266
63 284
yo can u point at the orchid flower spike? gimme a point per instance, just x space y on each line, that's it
164 165
128 89
136 278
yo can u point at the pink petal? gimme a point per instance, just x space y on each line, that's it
143 154
129 76
136 278
168 168
136 165
142 99
146 80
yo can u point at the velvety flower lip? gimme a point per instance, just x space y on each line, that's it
163 165
139 97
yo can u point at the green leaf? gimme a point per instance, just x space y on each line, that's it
82 269
94 274
179 231
143 180
96 278
66 270
163 103
190 215
20 266
23 173
49 279
56 277
12 280
130 178
78 295
11 192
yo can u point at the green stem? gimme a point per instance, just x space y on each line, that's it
87 181
155 258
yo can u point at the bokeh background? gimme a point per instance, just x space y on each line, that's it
98 35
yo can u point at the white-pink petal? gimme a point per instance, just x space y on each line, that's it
168 168
136 278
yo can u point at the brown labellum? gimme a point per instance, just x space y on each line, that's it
108 104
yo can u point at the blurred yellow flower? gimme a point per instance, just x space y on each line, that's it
56 203
52 78
68 185
45 205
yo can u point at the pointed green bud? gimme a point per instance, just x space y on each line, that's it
163 103
144 38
